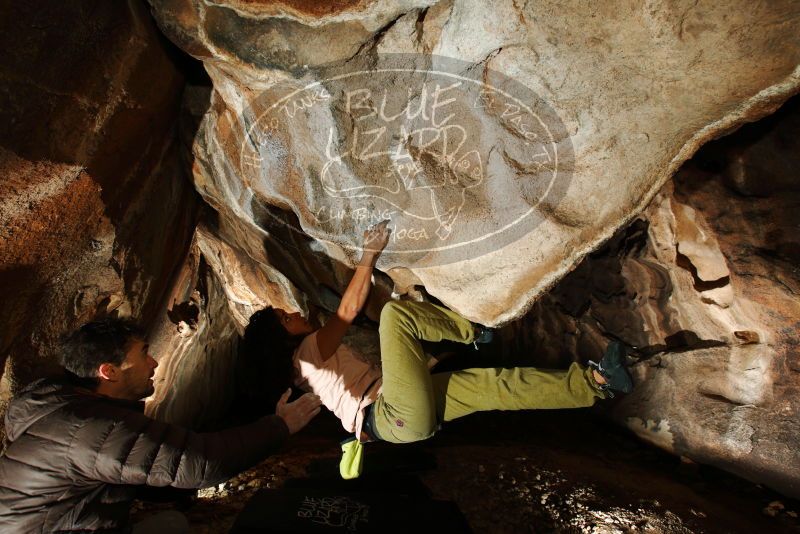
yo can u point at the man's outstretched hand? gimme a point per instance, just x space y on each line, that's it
297 414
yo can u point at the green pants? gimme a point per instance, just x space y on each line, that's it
414 402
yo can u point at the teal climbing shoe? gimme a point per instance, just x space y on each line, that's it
612 368
483 335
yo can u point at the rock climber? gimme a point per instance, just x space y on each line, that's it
404 402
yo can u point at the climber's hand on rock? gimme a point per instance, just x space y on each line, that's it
375 238
297 414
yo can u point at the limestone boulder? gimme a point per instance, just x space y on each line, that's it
195 339
553 126
703 287
507 143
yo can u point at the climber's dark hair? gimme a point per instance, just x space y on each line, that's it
266 356
96 343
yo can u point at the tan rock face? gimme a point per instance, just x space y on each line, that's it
717 371
314 126
95 206
505 144
196 342
325 119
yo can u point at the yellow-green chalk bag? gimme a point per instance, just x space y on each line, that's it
352 462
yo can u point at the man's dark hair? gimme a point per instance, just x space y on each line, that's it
96 343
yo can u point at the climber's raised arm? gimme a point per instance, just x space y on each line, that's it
330 336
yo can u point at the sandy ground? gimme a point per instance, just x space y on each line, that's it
559 471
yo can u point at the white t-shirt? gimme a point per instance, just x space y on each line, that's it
345 383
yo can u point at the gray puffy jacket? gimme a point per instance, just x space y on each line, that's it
74 459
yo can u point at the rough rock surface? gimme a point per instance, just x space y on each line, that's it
97 215
705 286
623 94
702 282
196 342
91 174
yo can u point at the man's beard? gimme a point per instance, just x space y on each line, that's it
145 391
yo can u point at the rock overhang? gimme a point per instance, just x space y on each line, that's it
636 97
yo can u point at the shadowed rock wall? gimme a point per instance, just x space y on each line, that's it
95 205
704 284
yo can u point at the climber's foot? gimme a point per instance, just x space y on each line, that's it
612 369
